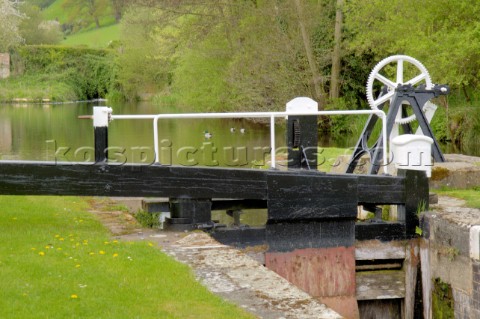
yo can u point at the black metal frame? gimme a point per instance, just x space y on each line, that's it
416 98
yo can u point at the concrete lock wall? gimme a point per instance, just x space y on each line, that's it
451 263
4 65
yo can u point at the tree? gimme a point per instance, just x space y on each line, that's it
336 56
35 30
442 34
319 92
118 7
40 3
10 19
85 12
233 55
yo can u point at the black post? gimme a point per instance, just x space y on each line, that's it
101 144
416 199
101 117
189 214
302 134
302 141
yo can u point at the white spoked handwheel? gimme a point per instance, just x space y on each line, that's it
421 77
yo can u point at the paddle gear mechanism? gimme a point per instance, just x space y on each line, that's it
402 83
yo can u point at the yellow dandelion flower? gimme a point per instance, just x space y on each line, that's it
77 266
57 236
115 255
101 252
115 241
106 242
41 253
74 296
59 248
150 244
61 239
91 253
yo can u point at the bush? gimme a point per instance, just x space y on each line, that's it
89 72
146 219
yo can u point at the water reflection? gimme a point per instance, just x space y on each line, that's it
54 132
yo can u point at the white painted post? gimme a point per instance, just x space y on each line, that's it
413 152
302 105
475 242
101 117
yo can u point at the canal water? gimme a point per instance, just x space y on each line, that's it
47 132
54 132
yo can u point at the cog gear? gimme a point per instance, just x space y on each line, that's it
399 80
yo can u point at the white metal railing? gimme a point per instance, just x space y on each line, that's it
270 115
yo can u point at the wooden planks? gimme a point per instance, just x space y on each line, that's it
384 284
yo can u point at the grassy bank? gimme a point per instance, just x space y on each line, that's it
471 196
36 88
58 261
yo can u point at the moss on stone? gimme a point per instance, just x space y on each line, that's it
439 173
442 300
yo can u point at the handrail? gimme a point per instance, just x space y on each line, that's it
270 115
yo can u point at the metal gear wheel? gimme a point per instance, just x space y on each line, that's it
399 80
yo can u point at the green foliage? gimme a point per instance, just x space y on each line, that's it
90 73
58 261
55 11
464 125
41 3
146 219
441 33
214 55
418 231
36 30
83 13
439 124
442 300
10 18
146 54
195 64
74 16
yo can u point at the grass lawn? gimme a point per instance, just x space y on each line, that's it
95 38
58 261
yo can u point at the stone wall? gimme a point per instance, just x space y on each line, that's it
451 239
4 65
